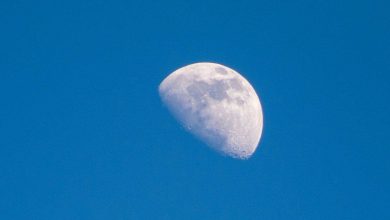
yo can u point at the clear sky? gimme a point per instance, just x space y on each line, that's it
83 134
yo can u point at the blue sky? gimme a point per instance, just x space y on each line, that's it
83 134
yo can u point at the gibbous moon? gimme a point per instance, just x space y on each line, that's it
217 105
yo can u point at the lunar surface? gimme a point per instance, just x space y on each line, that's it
217 105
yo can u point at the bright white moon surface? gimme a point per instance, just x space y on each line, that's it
217 105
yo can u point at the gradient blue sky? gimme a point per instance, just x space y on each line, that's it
83 134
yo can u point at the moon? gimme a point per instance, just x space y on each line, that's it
217 105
